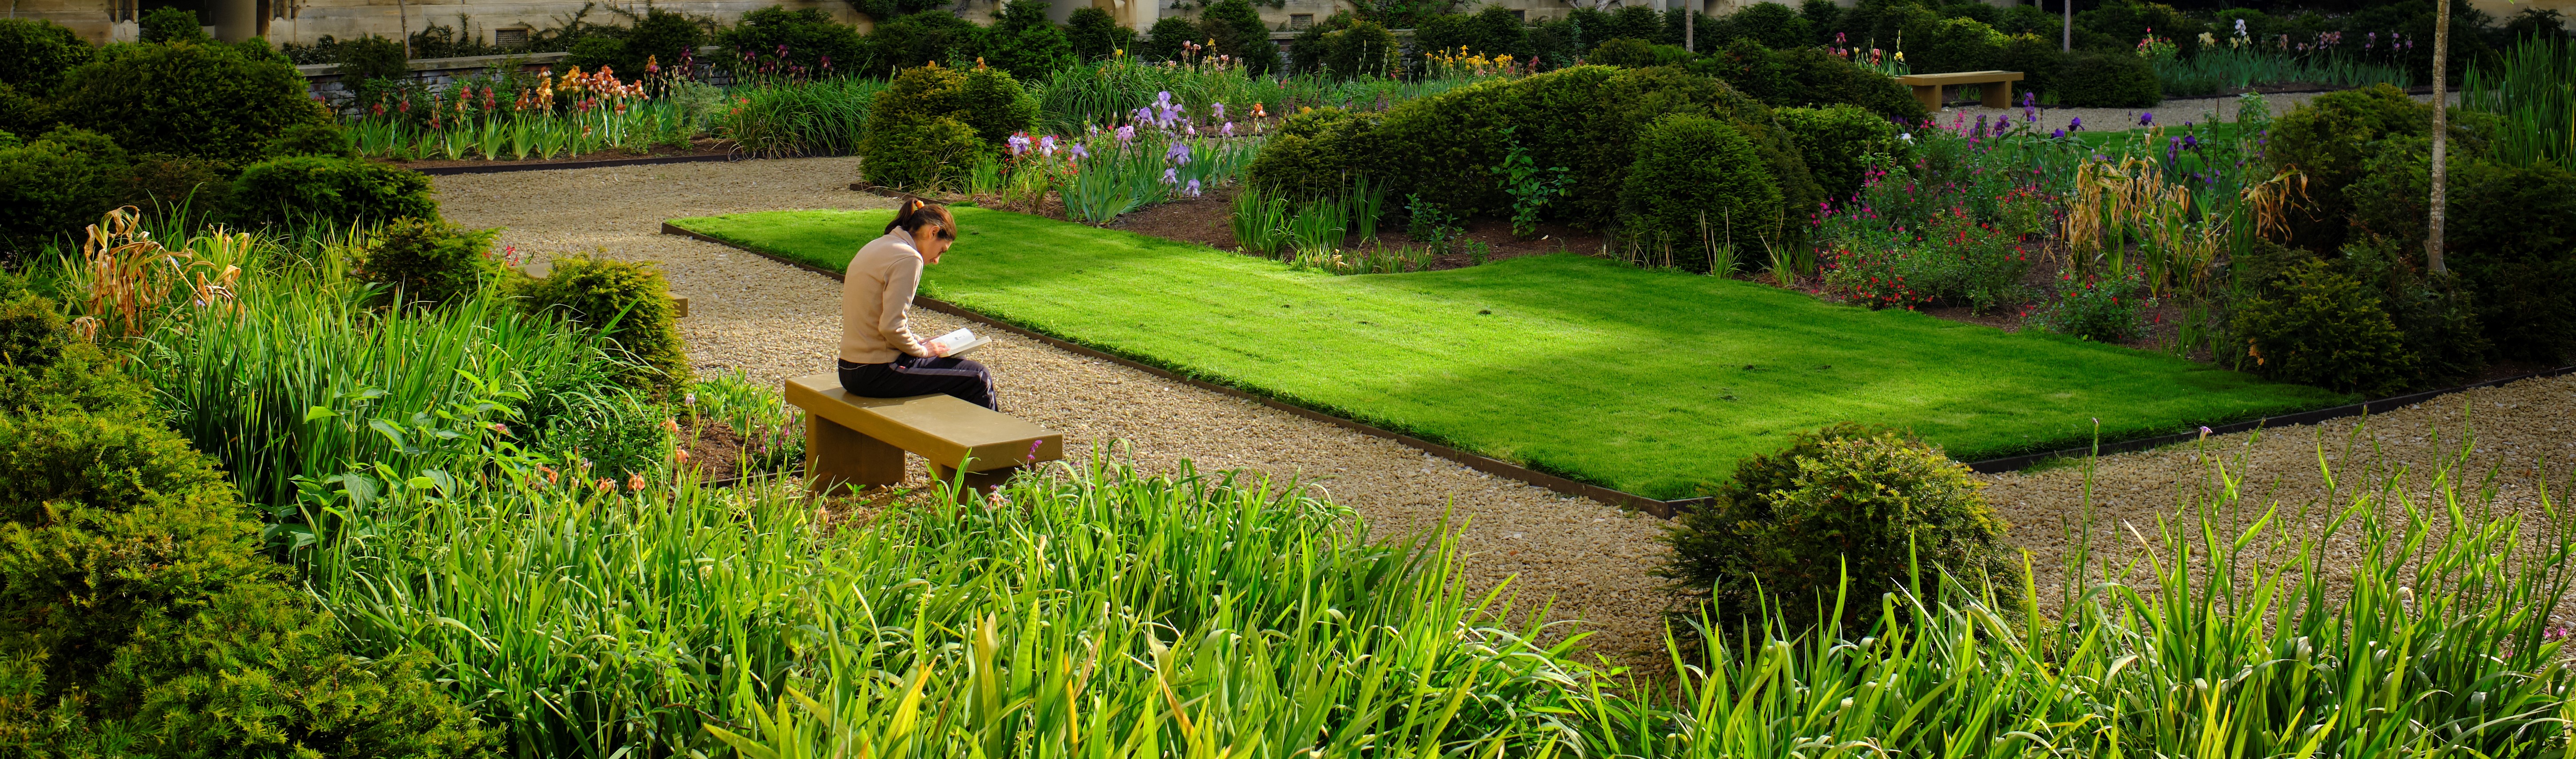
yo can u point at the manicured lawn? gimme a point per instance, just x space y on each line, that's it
1648 382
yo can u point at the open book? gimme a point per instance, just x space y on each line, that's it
960 341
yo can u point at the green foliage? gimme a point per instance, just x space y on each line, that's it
810 36
1820 78
1362 49
2037 58
169 24
1163 41
627 301
1953 44
182 639
51 187
338 190
2332 139
2106 79
921 156
2510 235
1237 29
430 262
1697 181
660 36
888 10
934 122
921 39
2321 327
1772 25
1318 153
2110 309
1871 505
324 139
1636 53
23 113
210 100
372 58
34 54
1837 142
1493 31
1751 69
597 51
1094 34
1025 43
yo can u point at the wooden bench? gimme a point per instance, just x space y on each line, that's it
1927 87
851 440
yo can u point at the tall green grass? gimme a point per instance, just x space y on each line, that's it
825 117
1105 93
2218 69
2269 639
2533 87
1091 611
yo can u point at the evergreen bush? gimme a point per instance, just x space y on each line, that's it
2318 326
334 189
170 24
1872 505
1836 142
932 122
209 100
323 139
372 58
1363 49
1094 34
1025 43
1636 53
1236 29
1697 182
1772 25
920 39
53 186
35 54
1163 41
430 262
1819 78
627 301
810 36
2106 79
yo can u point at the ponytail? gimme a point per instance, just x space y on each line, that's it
913 214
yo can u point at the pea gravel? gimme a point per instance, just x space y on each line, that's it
1591 560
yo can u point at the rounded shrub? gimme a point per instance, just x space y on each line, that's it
1820 78
1362 49
2331 139
627 301
1836 142
1631 52
2107 79
1954 44
1772 25
1872 505
1236 28
1163 40
53 186
932 121
1094 34
1697 182
1318 153
430 262
34 55
809 34
209 100
2321 327
1026 43
915 40
2038 60
169 24
336 189
323 139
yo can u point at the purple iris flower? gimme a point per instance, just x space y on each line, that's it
1193 190
2147 118
1078 151
1220 111
2076 123
1179 155
1046 145
1228 131
1171 176
1126 134
2058 133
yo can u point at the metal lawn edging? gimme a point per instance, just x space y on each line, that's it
2379 406
497 167
1481 463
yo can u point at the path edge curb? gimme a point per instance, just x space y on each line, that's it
500 167
2378 406
1487 464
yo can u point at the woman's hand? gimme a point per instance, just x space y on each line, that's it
936 350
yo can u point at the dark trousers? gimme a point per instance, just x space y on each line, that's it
908 376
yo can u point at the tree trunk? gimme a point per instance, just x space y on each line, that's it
405 10
2067 42
1690 20
2441 134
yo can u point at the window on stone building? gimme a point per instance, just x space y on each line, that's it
509 39
1520 15
1300 20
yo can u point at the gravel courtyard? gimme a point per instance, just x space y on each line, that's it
1593 560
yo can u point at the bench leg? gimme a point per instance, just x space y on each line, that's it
1929 95
1997 95
981 483
836 456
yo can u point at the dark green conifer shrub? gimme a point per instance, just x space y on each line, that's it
168 24
1236 29
210 100
1873 505
1697 182
35 54
928 127
2321 327
429 262
1835 143
1025 43
373 57
1094 34
627 301
334 189
2106 79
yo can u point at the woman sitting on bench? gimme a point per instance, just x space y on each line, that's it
880 358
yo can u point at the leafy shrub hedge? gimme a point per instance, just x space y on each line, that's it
430 262
809 34
167 24
1026 43
1237 30
2321 327
1819 78
2106 79
1696 179
629 302
1163 40
1490 32
931 122
2329 139
62 181
1872 504
1835 143
1636 53
186 641
2510 239
212 100
34 55
1094 34
335 189
373 57
919 39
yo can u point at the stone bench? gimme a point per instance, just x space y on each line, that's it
1927 87
850 440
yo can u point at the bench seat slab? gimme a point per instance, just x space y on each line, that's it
862 440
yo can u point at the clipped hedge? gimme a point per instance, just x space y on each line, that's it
1695 181
2106 79
209 100
920 125
35 55
336 189
1835 143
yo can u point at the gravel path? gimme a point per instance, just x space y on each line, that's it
776 321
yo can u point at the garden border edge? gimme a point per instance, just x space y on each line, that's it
499 167
1487 464
2376 406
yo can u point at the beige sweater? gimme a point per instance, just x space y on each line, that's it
875 291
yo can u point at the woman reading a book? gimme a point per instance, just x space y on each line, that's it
880 358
